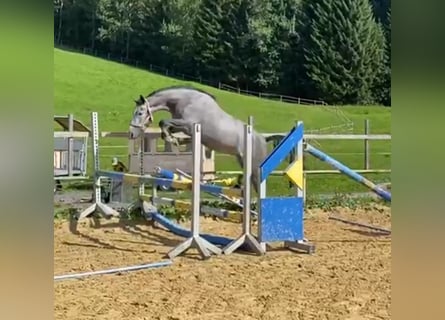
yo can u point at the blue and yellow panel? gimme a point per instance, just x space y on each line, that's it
283 149
295 172
281 219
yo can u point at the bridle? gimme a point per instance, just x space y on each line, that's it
149 118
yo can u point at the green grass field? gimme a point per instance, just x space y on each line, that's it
83 84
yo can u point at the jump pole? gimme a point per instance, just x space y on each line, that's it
246 237
363 225
347 171
204 247
114 270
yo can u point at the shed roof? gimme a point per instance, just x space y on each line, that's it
78 126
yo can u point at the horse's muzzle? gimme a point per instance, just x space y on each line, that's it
134 132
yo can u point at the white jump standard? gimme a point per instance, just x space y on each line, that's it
247 237
204 247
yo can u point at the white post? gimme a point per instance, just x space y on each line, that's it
70 158
204 247
299 156
106 210
366 142
246 237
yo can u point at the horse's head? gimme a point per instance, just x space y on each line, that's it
141 117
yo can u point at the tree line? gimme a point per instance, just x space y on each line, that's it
333 50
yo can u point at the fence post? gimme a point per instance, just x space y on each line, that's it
70 157
366 141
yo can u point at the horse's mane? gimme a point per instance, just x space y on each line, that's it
181 87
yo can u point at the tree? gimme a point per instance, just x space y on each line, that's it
58 11
207 49
177 32
118 20
264 45
343 50
251 43
283 17
380 9
382 89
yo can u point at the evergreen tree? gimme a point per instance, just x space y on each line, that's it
118 21
383 86
265 43
177 32
235 35
380 9
285 40
343 50
382 90
253 43
208 49
320 49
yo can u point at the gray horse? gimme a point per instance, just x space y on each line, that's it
187 105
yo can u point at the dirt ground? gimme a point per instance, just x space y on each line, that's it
348 277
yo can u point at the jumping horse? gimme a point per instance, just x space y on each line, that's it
220 131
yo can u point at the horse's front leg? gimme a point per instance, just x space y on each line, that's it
165 132
170 126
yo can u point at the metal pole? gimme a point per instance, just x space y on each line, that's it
106 210
95 128
141 163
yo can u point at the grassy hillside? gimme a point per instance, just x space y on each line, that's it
83 84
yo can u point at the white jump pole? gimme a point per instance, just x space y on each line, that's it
204 247
246 237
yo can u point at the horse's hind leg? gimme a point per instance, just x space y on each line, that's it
255 177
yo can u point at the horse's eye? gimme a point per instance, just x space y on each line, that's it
140 113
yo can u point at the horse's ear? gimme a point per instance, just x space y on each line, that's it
141 98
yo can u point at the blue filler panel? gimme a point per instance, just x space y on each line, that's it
281 219
281 151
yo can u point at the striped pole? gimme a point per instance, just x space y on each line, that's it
347 171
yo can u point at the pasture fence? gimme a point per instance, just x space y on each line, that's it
187 77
